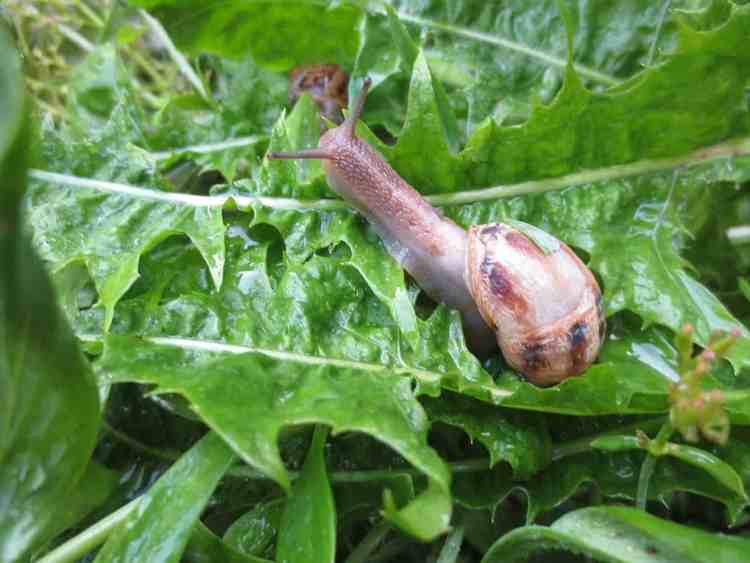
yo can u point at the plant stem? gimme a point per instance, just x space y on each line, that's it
509 44
206 148
362 552
452 546
581 445
90 14
136 445
75 37
723 151
647 468
91 538
182 63
149 69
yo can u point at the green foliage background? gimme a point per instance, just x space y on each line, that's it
271 384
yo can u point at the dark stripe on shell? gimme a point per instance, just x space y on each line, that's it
578 336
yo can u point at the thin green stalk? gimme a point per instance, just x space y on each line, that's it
452 546
362 552
497 41
152 72
647 468
339 477
582 445
726 150
92 16
659 27
136 445
91 538
21 35
179 59
74 37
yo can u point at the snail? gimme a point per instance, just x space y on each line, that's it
543 309
327 86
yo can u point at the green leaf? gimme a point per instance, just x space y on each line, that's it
98 85
254 533
614 474
228 390
159 529
226 137
205 547
720 470
278 37
49 406
506 56
582 129
609 217
738 406
425 132
120 227
623 145
520 440
307 532
338 319
96 485
422 518
619 535
650 226
616 220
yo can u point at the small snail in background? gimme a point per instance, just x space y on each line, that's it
327 84
543 309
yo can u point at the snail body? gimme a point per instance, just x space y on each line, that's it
542 310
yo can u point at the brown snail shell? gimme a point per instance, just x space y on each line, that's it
546 309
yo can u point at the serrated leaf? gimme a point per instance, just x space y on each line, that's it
506 56
336 319
520 440
614 474
228 390
107 234
579 224
119 229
